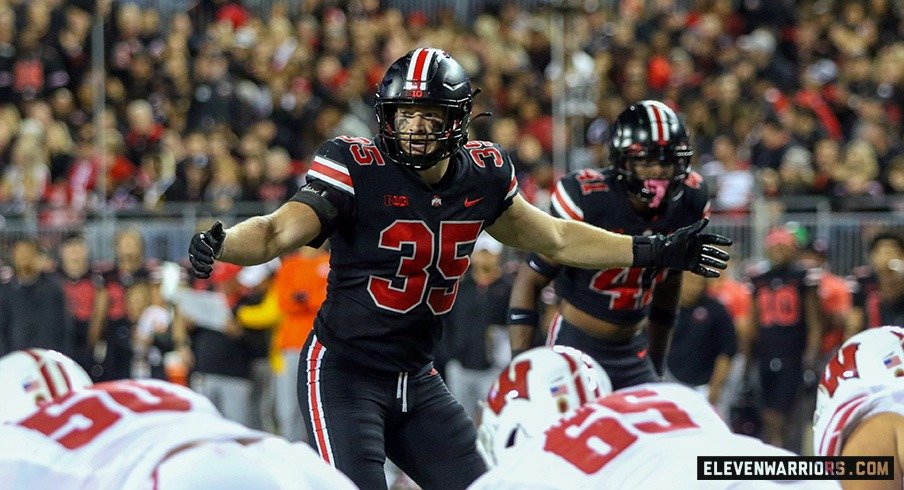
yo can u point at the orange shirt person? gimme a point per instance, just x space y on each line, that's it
300 288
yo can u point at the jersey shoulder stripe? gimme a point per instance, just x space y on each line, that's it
330 164
564 206
332 173
513 185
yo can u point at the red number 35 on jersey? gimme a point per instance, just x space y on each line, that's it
412 273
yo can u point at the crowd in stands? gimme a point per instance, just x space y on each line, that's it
225 102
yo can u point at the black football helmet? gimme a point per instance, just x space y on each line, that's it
425 76
650 129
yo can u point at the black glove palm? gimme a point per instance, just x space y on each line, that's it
686 249
204 249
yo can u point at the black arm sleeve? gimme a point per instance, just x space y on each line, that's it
331 206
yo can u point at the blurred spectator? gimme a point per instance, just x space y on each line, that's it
144 134
474 330
112 339
538 184
28 174
859 169
279 184
83 294
33 310
221 368
795 171
733 183
827 163
703 342
774 142
193 173
300 288
879 287
214 98
257 312
151 323
834 296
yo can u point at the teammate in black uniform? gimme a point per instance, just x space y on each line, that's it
403 213
649 188
786 316
879 288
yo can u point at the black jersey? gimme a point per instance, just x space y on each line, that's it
865 287
596 197
401 246
779 294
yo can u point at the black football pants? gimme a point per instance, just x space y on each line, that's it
356 418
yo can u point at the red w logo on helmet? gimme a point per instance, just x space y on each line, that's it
507 388
841 366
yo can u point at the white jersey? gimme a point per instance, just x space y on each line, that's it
646 436
115 436
843 414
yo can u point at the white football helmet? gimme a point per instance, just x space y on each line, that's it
534 391
31 377
872 358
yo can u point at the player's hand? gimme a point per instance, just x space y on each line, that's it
204 249
686 249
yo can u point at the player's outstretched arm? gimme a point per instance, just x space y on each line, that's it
522 314
580 245
566 242
255 240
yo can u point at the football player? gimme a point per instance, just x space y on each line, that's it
786 322
403 212
879 287
59 431
860 402
645 436
649 188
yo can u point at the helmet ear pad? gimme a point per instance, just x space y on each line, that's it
424 77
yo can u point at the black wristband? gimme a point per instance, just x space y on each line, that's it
662 316
542 267
522 316
645 251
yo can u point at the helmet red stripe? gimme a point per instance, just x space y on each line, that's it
576 375
419 75
658 123
45 373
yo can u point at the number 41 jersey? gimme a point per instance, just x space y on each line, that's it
401 246
646 436
597 197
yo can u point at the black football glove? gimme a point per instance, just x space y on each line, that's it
687 249
204 248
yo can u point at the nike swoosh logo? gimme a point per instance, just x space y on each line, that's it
518 317
469 203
